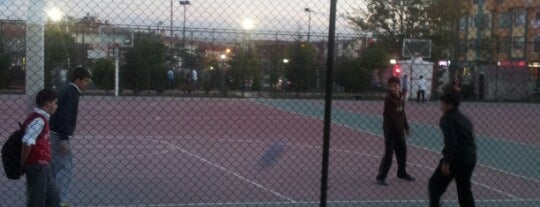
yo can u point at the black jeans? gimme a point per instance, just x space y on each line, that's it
421 93
393 142
438 183
40 188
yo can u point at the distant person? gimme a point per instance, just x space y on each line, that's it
170 78
194 78
459 154
405 86
63 124
36 152
422 87
189 79
456 86
395 127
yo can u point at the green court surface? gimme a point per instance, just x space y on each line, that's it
501 154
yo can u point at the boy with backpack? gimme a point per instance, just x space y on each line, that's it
36 152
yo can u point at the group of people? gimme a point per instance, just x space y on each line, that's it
459 152
420 93
46 154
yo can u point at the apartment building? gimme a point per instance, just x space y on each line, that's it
499 48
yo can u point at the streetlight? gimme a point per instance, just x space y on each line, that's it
184 3
309 11
222 73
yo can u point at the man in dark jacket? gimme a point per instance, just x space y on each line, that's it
395 127
459 154
62 125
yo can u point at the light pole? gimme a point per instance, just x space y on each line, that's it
222 74
171 28
309 11
184 3
247 25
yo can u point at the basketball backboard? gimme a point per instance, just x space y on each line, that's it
416 48
123 37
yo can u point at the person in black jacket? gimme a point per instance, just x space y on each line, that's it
395 127
62 125
459 154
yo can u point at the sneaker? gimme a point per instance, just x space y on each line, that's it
64 205
382 182
406 177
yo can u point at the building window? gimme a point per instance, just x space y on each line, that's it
518 43
462 23
520 16
472 21
504 45
537 44
463 46
486 22
504 20
536 22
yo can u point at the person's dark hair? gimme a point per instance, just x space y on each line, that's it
80 73
452 99
394 80
44 96
421 76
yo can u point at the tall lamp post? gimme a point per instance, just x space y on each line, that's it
247 25
309 11
184 3
222 74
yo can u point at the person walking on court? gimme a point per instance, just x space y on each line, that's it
459 154
63 124
422 87
36 152
395 127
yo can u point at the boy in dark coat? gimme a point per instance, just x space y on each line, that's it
395 127
459 154
63 124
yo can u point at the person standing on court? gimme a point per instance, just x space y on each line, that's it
36 152
395 127
422 87
63 124
170 77
459 154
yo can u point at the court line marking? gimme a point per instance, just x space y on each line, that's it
356 129
145 138
317 202
362 154
232 173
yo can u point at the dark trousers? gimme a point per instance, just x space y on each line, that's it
438 183
420 93
393 142
40 188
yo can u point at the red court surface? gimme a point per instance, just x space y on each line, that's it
182 151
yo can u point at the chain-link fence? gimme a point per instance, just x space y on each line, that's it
225 103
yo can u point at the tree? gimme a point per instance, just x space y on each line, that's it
5 62
393 20
444 17
300 70
103 75
58 47
245 69
146 66
356 75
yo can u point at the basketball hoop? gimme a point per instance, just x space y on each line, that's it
416 48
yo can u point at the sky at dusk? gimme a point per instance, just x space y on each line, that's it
276 15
